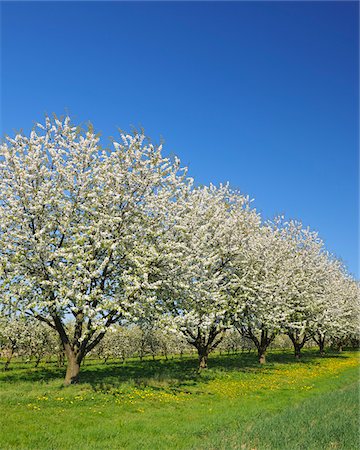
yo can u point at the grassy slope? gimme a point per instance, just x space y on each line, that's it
312 404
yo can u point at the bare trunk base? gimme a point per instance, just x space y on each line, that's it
72 372
297 351
262 358
321 343
203 358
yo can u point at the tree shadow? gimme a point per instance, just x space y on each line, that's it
160 373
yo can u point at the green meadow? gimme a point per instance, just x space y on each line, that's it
165 404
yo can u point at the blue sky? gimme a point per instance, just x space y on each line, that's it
261 94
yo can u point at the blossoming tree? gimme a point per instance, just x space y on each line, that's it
309 276
207 227
80 228
261 285
14 337
339 322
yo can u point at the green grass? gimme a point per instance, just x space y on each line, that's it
311 404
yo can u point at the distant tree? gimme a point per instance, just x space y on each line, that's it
25 337
341 322
234 342
40 341
14 336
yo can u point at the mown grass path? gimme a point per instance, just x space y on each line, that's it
311 404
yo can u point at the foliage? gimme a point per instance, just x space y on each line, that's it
95 239
80 227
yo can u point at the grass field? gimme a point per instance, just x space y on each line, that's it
235 404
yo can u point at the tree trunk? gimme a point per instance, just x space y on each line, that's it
298 343
203 358
80 345
74 359
262 357
261 342
262 345
322 346
204 344
297 351
72 371
203 354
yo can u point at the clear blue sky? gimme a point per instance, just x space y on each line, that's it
263 95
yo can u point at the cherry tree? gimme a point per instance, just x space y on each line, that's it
171 342
14 337
325 321
340 322
118 343
80 229
234 342
261 285
306 297
208 224
40 341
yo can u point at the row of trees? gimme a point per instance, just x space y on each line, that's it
34 341
28 338
92 237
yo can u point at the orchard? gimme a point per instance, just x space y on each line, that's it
116 252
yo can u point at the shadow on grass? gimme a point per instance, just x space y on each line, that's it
176 372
